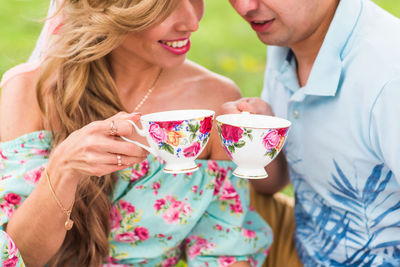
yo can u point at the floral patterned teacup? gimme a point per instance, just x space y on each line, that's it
177 136
252 141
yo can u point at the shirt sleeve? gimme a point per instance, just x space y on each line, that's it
22 161
385 126
230 230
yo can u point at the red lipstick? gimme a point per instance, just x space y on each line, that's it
168 45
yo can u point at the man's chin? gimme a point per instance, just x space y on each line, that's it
268 39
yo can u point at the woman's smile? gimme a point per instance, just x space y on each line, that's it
177 46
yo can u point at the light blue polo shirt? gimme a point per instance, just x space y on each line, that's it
343 148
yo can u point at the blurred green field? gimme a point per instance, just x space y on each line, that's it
224 43
227 46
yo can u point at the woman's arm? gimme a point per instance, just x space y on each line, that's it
240 264
37 226
19 110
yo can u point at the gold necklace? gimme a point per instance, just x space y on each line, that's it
138 106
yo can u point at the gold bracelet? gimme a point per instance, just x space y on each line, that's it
68 223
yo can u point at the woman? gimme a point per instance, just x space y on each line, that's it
73 192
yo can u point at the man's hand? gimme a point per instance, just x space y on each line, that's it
253 105
278 176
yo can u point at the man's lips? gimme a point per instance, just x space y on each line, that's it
177 47
261 25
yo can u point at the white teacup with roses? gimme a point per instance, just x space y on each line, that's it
176 136
252 141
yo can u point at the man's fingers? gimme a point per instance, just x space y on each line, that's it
238 106
231 107
255 105
246 106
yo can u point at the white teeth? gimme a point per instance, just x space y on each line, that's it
177 44
260 22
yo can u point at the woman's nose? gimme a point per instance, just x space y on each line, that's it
189 16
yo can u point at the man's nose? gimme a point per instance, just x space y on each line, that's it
243 7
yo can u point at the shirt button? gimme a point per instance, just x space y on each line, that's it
295 114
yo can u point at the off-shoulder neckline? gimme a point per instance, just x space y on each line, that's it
24 137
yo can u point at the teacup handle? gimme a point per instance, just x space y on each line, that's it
142 133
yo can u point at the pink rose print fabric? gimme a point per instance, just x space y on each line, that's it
11 256
155 217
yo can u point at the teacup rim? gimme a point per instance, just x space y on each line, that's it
218 120
208 113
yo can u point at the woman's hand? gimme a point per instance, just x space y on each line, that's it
253 105
94 150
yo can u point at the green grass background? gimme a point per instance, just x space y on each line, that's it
224 43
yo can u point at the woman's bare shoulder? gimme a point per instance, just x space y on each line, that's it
212 85
19 109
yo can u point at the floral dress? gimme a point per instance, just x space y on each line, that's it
155 217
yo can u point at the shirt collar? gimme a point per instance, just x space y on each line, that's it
288 74
325 73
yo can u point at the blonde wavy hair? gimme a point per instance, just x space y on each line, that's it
76 87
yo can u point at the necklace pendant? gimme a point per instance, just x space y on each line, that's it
68 224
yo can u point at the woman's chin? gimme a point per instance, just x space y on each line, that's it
173 63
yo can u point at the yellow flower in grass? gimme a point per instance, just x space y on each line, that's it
228 64
173 137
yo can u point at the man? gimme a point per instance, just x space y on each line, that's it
333 70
